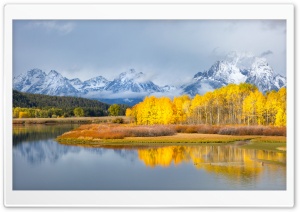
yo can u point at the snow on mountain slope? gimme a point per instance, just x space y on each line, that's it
33 78
36 81
236 68
132 81
127 84
56 84
93 86
76 83
131 85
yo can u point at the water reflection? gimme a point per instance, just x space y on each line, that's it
227 160
22 133
208 154
36 155
36 144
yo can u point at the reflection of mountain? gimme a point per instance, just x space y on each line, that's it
42 151
230 161
39 152
128 154
36 145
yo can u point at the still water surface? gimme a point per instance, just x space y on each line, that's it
40 163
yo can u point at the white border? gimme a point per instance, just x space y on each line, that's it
146 198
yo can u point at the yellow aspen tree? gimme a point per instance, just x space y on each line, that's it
260 107
253 106
230 89
249 108
180 114
196 109
271 107
280 118
244 90
207 103
281 108
218 103
166 108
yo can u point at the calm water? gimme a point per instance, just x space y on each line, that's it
40 163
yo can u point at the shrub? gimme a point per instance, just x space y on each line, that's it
253 130
202 128
118 121
24 115
191 129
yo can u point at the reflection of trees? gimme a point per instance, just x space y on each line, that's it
164 156
38 132
229 161
35 143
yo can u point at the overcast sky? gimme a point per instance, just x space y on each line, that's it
168 52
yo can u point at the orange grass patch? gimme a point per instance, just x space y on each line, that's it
111 131
126 133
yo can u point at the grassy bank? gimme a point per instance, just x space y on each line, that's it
179 138
114 134
71 120
279 146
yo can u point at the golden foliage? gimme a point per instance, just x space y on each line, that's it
231 104
227 160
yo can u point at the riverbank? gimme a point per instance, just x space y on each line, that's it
69 120
96 135
179 138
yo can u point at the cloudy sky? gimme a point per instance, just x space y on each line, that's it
168 52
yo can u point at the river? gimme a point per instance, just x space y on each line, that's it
41 163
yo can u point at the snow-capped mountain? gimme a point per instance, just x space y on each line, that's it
25 81
236 68
37 81
94 84
76 83
132 81
132 86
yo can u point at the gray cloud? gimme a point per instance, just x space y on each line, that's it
168 52
273 24
63 28
266 53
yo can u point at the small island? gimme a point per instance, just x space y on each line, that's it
101 135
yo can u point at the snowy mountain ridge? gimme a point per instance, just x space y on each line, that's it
235 68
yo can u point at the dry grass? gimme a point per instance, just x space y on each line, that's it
270 139
114 131
180 138
189 138
253 130
231 130
116 134
201 128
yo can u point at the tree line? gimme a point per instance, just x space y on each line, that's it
231 104
26 105
19 112
28 100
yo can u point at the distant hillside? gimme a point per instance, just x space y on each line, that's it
44 101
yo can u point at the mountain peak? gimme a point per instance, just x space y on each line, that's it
132 70
236 67
130 75
54 73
